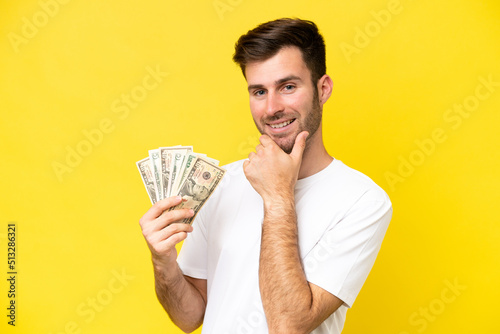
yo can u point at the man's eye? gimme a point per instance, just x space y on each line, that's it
259 92
288 87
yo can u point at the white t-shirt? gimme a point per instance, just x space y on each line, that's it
342 217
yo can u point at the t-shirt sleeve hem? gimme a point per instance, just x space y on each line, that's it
193 272
345 296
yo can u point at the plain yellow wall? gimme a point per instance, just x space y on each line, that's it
415 106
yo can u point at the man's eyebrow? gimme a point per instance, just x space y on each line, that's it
277 82
288 78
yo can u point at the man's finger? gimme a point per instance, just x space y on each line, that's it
172 241
157 209
265 140
172 229
170 217
300 145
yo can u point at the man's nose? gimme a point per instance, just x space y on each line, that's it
274 103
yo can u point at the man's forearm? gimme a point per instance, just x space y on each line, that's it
183 302
285 292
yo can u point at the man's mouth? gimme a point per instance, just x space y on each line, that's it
282 124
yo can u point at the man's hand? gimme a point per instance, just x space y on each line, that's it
162 230
184 298
270 170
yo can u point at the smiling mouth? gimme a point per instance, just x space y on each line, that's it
282 124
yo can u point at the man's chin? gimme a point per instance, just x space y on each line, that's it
286 144
284 141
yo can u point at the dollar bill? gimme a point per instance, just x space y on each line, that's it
213 161
166 168
178 156
171 162
154 158
199 184
186 168
146 170
187 164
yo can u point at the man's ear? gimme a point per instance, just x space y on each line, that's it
325 87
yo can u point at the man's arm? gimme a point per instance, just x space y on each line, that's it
291 304
184 298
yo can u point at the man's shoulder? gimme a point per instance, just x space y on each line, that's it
345 181
363 185
354 176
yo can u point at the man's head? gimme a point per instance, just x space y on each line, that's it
267 39
283 62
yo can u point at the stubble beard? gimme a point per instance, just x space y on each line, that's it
310 124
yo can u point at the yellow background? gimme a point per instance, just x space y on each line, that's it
76 232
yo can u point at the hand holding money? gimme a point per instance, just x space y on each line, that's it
161 233
177 170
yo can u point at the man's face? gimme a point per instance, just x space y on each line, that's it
283 100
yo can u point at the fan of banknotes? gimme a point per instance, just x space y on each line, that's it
178 171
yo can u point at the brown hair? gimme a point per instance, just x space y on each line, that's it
267 39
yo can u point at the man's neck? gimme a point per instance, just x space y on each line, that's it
315 157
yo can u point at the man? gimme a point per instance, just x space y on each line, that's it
285 244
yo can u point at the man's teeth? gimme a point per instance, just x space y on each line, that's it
280 125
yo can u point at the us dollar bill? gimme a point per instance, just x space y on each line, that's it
200 183
187 164
154 158
146 171
186 167
178 156
169 168
166 169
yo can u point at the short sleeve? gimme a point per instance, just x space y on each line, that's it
192 257
342 259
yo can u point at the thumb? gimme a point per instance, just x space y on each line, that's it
300 145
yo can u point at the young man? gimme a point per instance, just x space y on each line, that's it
285 244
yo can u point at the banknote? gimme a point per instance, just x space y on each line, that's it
154 158
199 184
146 170
167 155
187 163
178 156
186 168
166 169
